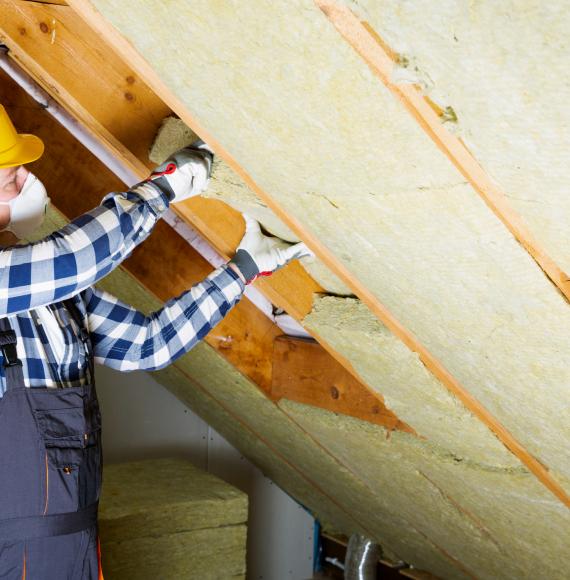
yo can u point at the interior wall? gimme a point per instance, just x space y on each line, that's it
142 420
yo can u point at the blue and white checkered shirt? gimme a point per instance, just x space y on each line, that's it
68 262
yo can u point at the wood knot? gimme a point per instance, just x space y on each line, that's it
44 27
130 80
130 97
334 392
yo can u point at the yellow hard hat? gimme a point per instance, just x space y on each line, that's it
15 148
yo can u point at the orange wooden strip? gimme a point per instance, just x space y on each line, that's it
370 47
165 264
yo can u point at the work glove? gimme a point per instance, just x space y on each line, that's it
185 173
260 255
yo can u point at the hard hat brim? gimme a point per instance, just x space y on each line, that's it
28 148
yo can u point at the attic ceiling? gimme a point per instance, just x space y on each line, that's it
418 149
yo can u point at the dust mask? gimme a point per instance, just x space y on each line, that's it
28 208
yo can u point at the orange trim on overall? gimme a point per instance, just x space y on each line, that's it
24 566
99 559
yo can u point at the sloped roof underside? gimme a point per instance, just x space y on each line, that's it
481 334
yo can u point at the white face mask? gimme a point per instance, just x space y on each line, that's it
28 208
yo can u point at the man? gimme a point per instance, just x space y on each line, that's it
54 325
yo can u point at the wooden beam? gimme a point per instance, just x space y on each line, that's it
127 129
304 372
127 51
50 43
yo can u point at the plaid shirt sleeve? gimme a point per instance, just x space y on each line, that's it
125 339
84 251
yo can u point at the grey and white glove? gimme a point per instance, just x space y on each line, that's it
185 173
260 255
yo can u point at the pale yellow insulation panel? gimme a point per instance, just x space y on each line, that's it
276 84
449 514
339 496
503 68
227 186
409 389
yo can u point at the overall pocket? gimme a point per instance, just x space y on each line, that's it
71 437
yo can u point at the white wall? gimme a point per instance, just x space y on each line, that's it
142 420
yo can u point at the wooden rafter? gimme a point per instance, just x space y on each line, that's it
85 9
165 264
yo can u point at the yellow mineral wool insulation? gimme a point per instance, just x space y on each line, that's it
151 511
299 109
500 523
501 67
225 185
408 388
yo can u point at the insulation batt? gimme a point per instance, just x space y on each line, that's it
152 511
319 458
225 185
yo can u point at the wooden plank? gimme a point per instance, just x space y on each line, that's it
291 289
127 129
66 48
304 372
123 47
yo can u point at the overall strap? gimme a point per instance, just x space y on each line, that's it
12 364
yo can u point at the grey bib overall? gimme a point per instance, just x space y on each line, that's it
50 472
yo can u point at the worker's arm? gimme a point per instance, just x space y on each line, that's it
125 339
85 250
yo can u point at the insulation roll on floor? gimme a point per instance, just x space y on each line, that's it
167 519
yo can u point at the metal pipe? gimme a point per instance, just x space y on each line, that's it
361 560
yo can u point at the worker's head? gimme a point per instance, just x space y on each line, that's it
23 198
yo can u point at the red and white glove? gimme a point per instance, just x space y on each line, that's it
185 173
260 255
